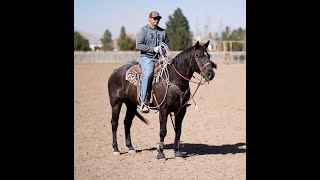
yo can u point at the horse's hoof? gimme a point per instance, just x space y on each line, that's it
178 154
161 156
116 153
132 151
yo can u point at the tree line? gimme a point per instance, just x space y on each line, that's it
178 31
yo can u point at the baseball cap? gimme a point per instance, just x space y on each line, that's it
154 14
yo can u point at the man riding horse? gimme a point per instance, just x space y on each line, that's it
148 42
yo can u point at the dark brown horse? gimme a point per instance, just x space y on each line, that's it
170 95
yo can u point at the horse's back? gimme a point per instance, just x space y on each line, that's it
120 71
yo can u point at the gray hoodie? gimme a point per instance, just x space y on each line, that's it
149 38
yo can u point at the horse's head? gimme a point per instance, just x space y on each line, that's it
201 61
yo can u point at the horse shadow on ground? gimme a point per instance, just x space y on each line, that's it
204 149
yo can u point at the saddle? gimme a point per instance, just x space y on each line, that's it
134 76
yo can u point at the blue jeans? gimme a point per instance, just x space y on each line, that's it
147 65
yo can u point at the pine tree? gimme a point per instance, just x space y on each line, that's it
107 41
125 43
80 42
178 31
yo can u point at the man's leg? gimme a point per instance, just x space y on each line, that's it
147 65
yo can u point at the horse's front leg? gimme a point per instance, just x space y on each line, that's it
163 132
178 124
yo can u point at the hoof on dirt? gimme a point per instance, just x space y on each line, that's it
178 154
132 151
116 153
161 156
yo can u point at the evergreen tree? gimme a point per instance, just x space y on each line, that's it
107 41
178 31
80 42
125 43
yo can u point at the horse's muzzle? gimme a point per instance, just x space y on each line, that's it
210 76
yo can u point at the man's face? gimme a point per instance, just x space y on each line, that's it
154 21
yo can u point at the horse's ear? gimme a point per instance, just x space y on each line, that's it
206 44
196 46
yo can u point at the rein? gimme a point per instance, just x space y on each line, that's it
185 77
199 83
201 69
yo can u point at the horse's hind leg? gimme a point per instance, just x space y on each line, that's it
116 107
131 108
178 124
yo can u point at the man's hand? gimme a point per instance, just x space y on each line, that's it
156 49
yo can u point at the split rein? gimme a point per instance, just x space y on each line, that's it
200 80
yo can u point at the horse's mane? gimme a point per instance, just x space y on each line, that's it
181 57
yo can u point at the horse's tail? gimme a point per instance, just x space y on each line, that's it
141 117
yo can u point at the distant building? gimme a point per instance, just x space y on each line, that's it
95 47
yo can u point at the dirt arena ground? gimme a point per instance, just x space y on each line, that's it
213 132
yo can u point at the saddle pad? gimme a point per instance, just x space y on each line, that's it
132 75
134 72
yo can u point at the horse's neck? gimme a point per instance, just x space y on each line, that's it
185 71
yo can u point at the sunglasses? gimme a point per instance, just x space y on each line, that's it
156 18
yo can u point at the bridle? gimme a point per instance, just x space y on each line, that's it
201 70
198 63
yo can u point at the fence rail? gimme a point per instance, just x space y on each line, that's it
131 56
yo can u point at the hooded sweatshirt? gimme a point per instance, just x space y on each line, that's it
149 38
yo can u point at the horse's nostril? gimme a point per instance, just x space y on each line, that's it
210 75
